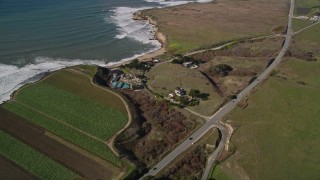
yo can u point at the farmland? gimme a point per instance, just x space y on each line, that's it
33 161
193 26
68 105
11 170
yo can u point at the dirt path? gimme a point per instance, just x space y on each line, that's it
303 29
36 137
11 170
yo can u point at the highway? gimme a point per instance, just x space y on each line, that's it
214 120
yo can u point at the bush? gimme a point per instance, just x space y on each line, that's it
221 69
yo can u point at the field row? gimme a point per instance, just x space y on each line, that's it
32 160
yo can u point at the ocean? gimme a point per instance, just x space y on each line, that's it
39 36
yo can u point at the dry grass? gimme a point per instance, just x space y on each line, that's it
194 25
165 78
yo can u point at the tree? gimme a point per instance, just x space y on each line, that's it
221 69
194 93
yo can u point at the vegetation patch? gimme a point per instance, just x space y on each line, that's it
32 160
72 112
279 126
165 78
192 26
190 164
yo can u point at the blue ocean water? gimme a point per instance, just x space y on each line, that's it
38 36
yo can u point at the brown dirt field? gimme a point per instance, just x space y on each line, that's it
10 170
36 138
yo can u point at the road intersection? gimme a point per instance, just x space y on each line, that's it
214 120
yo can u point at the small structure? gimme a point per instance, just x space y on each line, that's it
155 60
194 66
180 92
315 18
187 64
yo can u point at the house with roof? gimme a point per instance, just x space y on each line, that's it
180 92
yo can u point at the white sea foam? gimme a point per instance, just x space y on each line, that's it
141 30
13 77
138 30
175 2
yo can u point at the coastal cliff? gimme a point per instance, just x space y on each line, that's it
161 37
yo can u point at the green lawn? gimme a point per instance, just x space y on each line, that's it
32 160
80 116
278 136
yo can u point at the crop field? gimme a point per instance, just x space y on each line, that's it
278 134
80 85
10 170
166 77
32 160
195 25
77 116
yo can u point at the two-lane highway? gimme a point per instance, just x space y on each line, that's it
214 121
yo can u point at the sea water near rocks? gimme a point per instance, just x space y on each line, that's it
38 36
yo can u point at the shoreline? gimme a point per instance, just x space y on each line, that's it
159 36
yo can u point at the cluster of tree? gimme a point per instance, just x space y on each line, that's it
195 93
307 56
185 101
189 166
179 59
136 64
221 69
158 117
102 76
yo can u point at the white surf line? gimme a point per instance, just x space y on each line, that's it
60 121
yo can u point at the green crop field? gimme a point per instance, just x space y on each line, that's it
32 160
78 116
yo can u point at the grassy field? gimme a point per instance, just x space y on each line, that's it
278 134
299 24
196 25
166 77
32 160
69 106
308 40
313 5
